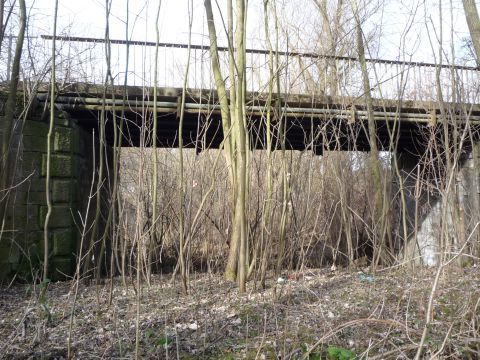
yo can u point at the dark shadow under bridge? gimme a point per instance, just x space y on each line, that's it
315 123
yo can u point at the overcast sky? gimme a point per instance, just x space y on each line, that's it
87 18
403 30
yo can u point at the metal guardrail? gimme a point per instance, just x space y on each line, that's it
253 51
81 59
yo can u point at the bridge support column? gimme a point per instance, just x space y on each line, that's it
421 212
21 240
469 195
425 210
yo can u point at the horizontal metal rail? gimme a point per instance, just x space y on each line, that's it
257 51
83 60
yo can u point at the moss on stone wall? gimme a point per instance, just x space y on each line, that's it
21 243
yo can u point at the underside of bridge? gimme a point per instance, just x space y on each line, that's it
311 123
316 124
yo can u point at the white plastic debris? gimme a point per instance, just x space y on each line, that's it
193 326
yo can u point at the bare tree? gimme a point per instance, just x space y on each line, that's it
4 20
181 178
234 129
473 21
374 163
10 109
154 145
49 151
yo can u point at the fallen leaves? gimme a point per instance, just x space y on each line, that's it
215 322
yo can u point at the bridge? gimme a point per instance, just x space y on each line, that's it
319 99
311 123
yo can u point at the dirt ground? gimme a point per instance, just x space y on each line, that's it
315 314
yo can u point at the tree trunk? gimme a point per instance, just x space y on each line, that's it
2 9
374 163
49 152
229 140
10 108
181 181
240 130
234 130
265 241
473 22
153 231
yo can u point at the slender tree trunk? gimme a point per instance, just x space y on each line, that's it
101 160
229 142
234 130
153 231
181 180
240 130
285 193
2 31
46 234
109 223
221 90
232 261
330 66
473 21
4 20
10 108
267 206
374 163
122 117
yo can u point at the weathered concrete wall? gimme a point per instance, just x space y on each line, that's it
469 198
426 209
21 241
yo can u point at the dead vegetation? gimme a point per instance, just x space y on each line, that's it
327 313
373 202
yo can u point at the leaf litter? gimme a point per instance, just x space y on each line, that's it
361 315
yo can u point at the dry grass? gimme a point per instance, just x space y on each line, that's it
378 315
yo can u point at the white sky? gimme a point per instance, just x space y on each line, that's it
87 18
405 30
